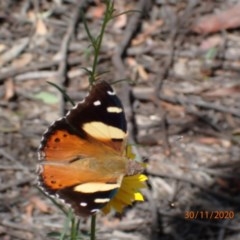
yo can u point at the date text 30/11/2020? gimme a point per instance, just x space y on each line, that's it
218 214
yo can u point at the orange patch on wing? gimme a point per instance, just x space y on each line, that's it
69 160
62 146
58 177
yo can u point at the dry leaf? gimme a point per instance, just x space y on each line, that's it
148 31
223 92
29 212
209 140
142 72
120 21
22 60
14 51
131 62
175 110
9 89
217 22
236 132
41 28
32 16
2 48
211 42
39 204
97 12
137 68
110 224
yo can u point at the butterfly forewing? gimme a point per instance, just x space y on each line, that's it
106 122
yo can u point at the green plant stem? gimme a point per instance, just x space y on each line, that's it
97 42
73 228
93 227
107 17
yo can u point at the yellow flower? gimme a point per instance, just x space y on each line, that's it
129 191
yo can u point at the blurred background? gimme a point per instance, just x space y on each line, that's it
182 101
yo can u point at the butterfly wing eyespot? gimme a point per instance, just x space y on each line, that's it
82 155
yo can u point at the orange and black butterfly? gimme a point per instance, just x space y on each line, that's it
82 156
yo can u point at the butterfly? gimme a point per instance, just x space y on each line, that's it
82 157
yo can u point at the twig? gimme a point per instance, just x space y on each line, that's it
153 172
15 51
12 168
200 103
12 159
14 183
130 31
63 53
223 229
12 72
185 101
154 214
36 75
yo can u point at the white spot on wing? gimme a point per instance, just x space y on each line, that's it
114 109
101 200
111 93
95 210
97 103
83 204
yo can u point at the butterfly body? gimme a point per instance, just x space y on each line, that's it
82 156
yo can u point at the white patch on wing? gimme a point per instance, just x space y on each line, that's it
83 204
95 210
103 131
114 109
101 200
97 103
93 187
111 93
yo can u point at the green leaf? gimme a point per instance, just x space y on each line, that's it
61 90
46 97
211 53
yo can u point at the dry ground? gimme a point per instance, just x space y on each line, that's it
183 107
